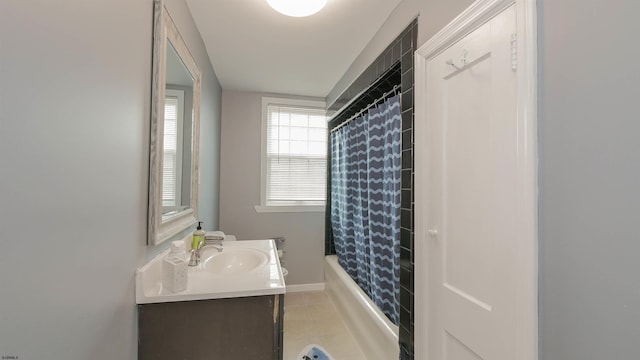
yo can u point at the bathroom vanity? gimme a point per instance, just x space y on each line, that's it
232 307
233 328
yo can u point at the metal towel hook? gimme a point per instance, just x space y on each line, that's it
450 62
463 60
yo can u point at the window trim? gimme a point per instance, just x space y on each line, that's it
292 102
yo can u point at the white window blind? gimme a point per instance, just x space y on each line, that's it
172 157
296 156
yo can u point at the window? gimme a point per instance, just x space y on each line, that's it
172 154
294 158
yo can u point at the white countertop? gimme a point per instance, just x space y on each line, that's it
266 279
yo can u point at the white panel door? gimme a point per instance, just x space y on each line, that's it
471 196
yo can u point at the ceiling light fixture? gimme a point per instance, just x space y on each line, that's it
297 8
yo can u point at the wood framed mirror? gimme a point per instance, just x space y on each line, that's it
175 132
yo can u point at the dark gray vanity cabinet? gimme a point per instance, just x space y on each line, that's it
245 328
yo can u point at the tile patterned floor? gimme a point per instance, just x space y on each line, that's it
311 317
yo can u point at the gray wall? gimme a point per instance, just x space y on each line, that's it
240 184
74 129
589 180
434 15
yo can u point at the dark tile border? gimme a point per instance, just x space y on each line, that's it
393 67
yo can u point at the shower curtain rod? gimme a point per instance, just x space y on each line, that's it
356 115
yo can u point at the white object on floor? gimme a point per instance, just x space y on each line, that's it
314 352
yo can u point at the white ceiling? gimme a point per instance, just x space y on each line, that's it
254 48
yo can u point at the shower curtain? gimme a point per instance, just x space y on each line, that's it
365 202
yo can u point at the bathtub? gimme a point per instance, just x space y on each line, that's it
376 335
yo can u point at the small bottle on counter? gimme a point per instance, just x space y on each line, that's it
198 236
175 268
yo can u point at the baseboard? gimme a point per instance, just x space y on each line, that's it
305 287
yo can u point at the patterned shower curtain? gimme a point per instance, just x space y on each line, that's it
365 202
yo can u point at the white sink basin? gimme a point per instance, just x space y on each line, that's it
243 268
234 260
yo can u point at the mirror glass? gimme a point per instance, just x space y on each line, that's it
174 140
176 156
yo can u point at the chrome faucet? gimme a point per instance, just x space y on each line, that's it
194 260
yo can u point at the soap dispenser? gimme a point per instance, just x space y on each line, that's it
198 237
175 268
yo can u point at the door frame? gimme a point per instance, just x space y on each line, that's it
480 12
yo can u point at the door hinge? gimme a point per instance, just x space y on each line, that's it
514 52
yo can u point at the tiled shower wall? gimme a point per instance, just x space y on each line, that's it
366 88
